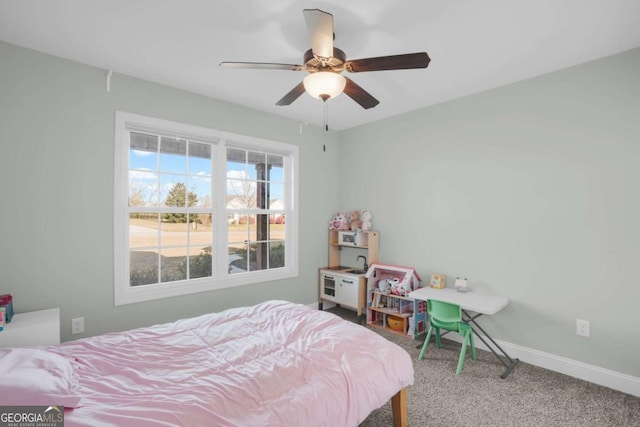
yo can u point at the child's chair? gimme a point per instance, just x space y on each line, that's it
443 315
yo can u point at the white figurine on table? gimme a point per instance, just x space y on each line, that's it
461 284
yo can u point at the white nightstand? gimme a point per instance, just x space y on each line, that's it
32 329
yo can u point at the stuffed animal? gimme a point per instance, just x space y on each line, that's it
338 222
365 218
394 283
404 288
345 222
354 220
383 285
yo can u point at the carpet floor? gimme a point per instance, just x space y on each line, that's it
529 396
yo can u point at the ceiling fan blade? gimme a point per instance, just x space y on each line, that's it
359 95
320 30
292 95
262 66
393 62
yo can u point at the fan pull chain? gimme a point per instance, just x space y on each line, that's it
326 117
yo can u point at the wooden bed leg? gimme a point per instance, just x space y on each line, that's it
399 408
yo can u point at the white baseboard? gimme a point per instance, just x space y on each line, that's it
584 371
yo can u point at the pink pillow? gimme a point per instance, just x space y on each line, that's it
32 376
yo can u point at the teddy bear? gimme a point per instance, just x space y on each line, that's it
365 218
354 220
339 222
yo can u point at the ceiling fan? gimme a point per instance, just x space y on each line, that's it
325 63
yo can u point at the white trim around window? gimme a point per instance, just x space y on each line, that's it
217 208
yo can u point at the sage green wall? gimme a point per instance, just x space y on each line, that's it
56 172
530 191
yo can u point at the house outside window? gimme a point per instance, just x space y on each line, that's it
198 209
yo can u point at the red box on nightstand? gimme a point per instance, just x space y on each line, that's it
6 302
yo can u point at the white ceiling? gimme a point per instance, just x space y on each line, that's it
474 45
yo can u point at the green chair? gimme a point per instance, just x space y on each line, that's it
443 315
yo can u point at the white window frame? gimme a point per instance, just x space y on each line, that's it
126 294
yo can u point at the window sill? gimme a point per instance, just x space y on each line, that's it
131 295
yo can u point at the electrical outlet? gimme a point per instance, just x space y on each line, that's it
583 327
77 325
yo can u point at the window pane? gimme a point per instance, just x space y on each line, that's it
276 171
262 194
258 227
276 227
174 229
236 163
200 187
238 233
173 264
173 155
253 228
200 230
143 188
173 191
200 262
276 254
257 165
143 230
199 159
259 256
143 267
237 259
276 196
241 194
143 151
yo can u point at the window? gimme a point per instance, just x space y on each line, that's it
197 209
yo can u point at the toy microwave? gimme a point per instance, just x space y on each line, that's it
353 238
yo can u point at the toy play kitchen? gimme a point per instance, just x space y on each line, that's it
342 284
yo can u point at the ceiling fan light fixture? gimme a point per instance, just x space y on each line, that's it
324 84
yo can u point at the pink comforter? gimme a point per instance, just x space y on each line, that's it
274 364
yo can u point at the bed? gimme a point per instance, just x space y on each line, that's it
272 364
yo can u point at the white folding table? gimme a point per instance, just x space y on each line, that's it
478 303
